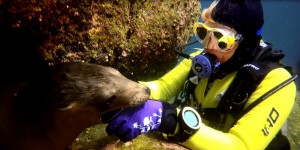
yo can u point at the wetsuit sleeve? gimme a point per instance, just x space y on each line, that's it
256 128
171 83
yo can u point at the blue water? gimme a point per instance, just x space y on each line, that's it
281 28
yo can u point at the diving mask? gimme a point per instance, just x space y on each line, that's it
224 38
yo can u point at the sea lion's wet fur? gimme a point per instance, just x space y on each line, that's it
52 111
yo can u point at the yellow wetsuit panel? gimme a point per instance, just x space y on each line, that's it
254 130
259 126
171 83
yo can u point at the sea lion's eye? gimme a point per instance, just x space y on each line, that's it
110 101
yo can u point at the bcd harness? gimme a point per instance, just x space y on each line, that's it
248 77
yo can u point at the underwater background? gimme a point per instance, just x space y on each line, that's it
281 28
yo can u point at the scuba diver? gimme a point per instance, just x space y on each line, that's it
232 94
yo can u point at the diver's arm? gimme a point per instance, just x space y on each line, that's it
256 128
171 83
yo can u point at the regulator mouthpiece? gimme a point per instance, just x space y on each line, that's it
203 65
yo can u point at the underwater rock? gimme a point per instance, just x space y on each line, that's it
135 37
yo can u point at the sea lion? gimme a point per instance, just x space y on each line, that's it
50 112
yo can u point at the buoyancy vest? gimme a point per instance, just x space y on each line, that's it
244 84
248 77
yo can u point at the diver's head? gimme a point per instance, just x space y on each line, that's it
230 27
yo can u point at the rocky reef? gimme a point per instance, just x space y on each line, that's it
135 37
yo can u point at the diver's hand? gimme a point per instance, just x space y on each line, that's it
132 122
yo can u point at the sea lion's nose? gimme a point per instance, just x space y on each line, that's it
148 90
145 88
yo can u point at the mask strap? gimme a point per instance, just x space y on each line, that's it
238 38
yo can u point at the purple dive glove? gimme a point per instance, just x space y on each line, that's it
132 122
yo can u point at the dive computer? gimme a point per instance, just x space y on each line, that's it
189 121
